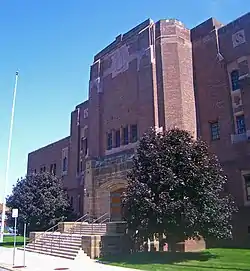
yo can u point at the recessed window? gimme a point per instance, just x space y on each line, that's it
53 169
117 139
134 133
42 169
81 166
84 145
243 67
125 135
240 124
65 164
215 130
109 141
247 186
71 201
235 80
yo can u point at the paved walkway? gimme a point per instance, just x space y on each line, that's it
40 262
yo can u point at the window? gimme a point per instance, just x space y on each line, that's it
109 141
247 186
84 145
53 169
117 139
42 169
35 171
134 135
65 164
240 124
71 201
215 130
81 166
243 67
235 80
125 135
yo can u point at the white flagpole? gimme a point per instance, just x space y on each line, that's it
8 160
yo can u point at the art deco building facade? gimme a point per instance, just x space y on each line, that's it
145 79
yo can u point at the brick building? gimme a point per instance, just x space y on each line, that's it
145 79
221 57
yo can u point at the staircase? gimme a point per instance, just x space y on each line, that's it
67 244
57 244
89 229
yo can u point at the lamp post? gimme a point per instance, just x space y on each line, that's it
8 159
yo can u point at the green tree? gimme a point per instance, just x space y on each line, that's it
41 200
176 188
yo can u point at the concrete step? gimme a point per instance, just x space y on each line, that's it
54 248
62 238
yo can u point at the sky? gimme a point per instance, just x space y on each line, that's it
52 43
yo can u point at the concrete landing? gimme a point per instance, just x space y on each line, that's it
40 262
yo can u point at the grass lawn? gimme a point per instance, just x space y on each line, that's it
209 260
8 241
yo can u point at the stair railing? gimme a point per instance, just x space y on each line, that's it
42 234
101 218
83 219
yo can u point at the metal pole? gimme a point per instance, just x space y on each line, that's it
14 249
24 243
8 160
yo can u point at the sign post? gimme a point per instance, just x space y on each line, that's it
15 216
24 243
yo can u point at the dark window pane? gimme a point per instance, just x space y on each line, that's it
125 135
240 124
215 130
65 164
134 135
117 139
235 80
109 141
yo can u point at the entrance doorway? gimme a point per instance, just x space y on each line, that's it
116 213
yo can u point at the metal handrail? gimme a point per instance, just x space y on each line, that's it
43 233
86 216
99 218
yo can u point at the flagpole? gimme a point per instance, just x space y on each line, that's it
8 160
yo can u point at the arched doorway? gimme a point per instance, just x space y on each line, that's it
116 213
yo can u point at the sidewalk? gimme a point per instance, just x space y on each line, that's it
40 262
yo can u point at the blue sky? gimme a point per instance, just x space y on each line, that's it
52 43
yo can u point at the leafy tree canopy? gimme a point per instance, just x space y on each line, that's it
175 188
41 200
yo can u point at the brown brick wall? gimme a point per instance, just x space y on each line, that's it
48 155
175 80
214 102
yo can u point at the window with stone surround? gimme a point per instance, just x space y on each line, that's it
53 169
240 124
215 130
243 67
43 169
84 145
247 186
65 164
133 133
125 135
81 166
235 80
117 139
109 141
